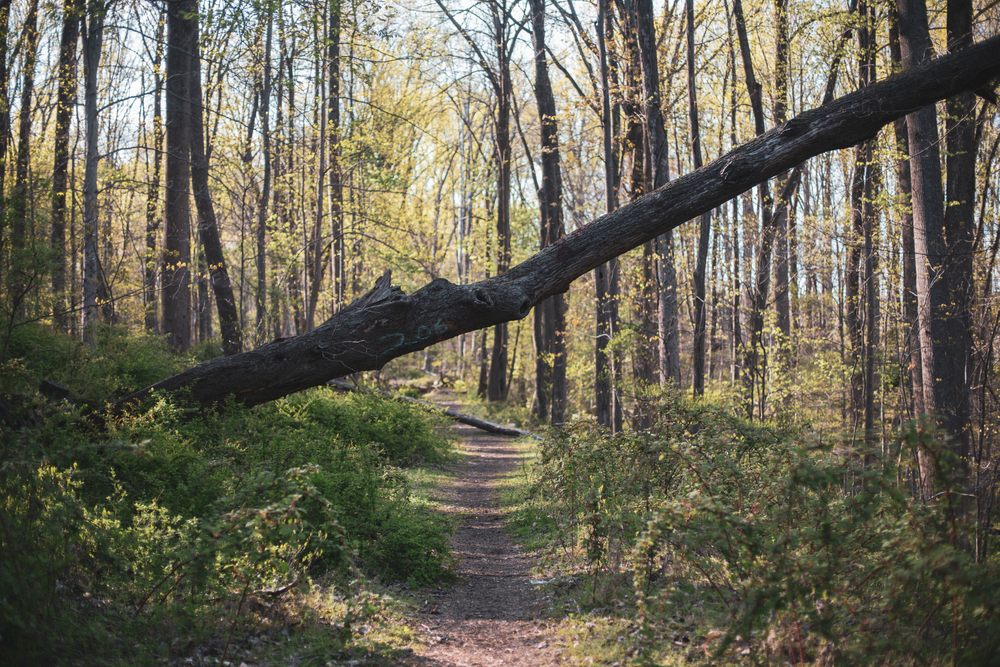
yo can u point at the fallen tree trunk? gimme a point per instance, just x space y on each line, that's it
386 323
461 417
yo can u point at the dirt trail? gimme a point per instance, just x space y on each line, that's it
488 617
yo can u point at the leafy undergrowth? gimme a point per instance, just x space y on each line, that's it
712 541
271 535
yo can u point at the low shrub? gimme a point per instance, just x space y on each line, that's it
800 552
177 518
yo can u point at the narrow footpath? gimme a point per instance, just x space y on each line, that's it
491 615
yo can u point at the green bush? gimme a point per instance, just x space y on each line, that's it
49 557
172 517
791 542
116 362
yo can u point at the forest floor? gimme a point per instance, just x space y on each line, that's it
492 614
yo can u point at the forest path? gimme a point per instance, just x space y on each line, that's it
489 616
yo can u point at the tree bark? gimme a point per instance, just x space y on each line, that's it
903 185
782 307
385 323
658 158
153 211
208 227
176 281
264 199
929 241
95 294
21 224
603 387
550 315
336 176
65 101
953 370
704 221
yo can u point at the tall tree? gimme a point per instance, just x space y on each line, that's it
550 315
962 147
929 241
335 174
154 211
95 293
658 159
903 185
65 102
263 201
605 275
208 228
176 270
705 222
21 194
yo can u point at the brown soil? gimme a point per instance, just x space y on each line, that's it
491 615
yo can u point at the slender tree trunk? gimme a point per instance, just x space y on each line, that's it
705 222
65 101
603 395
550 315
208 228
497 390
153 210
94 288
315 258
336 177
176 281
782 307
928 220
753 371
953 370
4 111
21 209
263 203
658 158
903 184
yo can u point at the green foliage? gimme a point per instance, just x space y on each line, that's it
46 553
799 549
181 518
113 364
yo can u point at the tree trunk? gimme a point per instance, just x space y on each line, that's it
497 388
928 223
336 177
705 221
176 280
94 286
263 202
658 158
550 315
19 196
603 386
208 228
390 324
65 102
782 307
316 248
910 312
153 211
953 369
4 109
